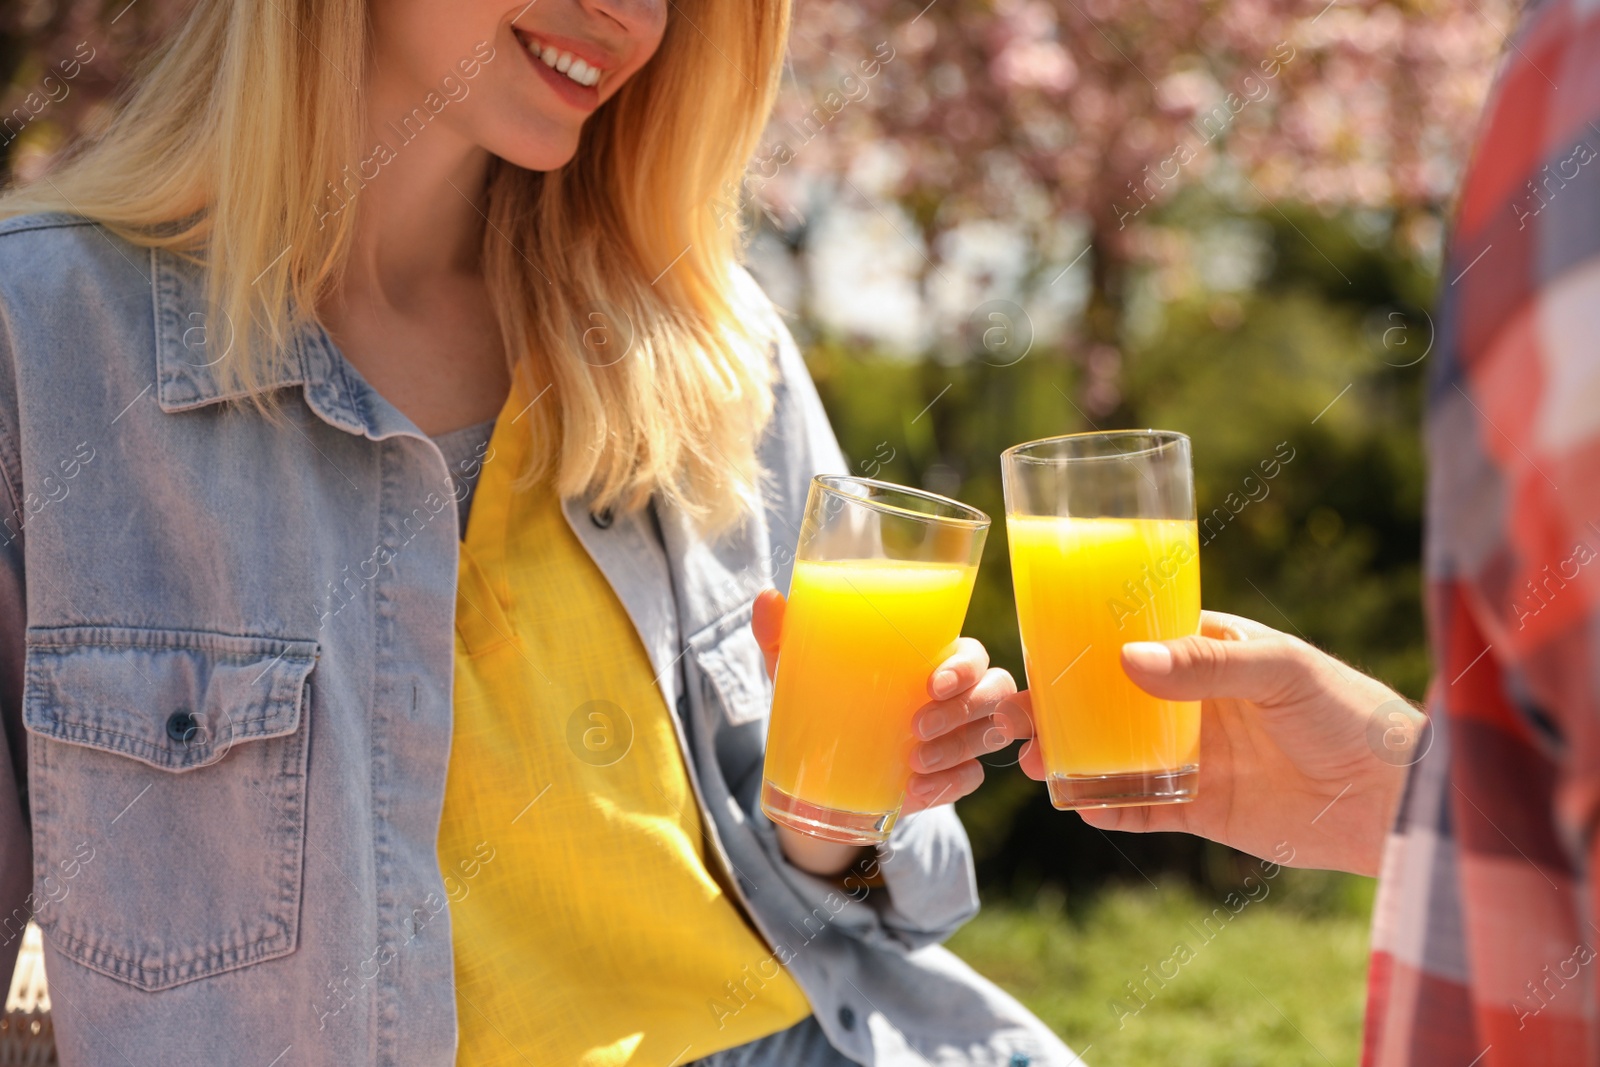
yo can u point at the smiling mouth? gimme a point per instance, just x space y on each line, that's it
562 62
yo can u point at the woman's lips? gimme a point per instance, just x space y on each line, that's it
572 75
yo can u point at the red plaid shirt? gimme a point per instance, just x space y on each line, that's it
1485 944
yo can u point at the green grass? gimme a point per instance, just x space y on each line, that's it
1279 983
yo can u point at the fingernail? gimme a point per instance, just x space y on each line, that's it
944 682
1151 657
931 725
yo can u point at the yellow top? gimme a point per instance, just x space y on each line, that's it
588 926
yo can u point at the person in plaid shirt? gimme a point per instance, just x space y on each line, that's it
1485 940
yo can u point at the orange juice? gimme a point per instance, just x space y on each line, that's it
860 640
1085 587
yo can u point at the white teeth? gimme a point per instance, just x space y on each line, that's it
566 63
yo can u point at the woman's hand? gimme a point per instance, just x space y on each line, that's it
971 712
1296 749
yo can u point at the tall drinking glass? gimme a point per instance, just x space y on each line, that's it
1105 550
881 582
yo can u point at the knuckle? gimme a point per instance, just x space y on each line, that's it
1306 654
1017 723
993 689
996 736
975 704
1300 657
1200 657
972 775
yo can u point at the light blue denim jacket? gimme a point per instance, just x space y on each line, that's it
225 682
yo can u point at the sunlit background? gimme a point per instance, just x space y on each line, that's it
993 221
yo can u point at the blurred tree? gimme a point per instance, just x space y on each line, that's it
60 62
1035 111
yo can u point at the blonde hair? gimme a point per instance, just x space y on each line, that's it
213 156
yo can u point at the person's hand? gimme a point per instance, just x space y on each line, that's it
1296 748
971 712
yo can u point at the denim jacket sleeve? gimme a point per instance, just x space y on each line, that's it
929 887
16 856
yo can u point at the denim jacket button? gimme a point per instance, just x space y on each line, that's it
182 726
847 1018
601 519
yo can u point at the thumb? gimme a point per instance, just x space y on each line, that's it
766 620
1265 670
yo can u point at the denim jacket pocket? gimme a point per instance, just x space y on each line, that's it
167 785
732 662
727 676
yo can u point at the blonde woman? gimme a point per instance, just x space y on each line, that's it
322 765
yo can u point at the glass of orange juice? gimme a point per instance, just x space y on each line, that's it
881 582
1105 550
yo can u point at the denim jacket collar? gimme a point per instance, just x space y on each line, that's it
184 357
185 380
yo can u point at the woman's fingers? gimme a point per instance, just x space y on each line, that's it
1031 760
993 689
967 743
1019 710
961 670
942 787
766 620
975 711
958 726
1015 711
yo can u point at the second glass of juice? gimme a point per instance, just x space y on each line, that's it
1104 551
880 589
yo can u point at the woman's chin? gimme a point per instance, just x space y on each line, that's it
551 151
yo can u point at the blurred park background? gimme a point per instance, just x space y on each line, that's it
995 220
